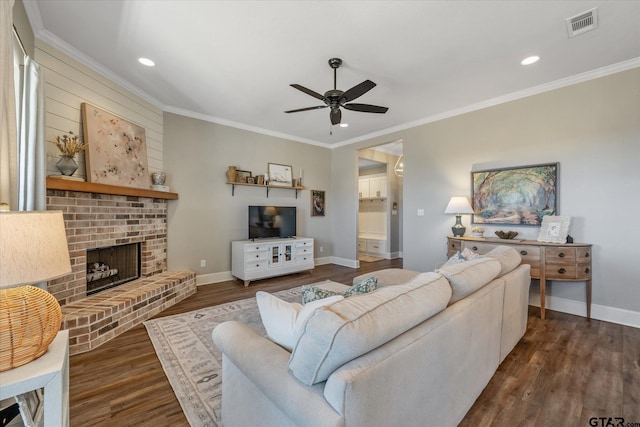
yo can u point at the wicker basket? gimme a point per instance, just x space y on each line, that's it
29 320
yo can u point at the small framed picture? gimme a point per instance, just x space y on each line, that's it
250 180
280 175
554 229
317 203
243 176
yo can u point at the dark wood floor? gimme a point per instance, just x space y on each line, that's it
564 371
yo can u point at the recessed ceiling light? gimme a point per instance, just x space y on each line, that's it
344 125
530 60
147 62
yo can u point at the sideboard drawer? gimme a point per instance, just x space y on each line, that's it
454 246
583 255
560 255
583 271
562 272
479 247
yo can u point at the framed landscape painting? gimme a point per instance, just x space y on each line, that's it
515 196
117 149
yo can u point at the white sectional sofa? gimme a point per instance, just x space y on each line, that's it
416 352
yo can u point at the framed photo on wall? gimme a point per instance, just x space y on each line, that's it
516 195
280 175
317 203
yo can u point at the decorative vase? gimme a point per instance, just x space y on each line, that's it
232 174
158 178
66 165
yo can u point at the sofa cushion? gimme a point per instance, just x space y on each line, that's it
282 319
313 292
508 257
467 277
388 276
336 334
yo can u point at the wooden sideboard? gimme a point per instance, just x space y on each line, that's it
569 262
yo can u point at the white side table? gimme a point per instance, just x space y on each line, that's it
51 372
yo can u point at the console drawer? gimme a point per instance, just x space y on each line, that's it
560 255
256 265
562 272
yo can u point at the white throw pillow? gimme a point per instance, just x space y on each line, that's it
282 319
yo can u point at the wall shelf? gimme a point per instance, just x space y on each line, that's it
92 187
233 187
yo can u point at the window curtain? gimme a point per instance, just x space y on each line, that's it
32 166
8 123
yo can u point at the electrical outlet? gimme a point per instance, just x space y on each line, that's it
420 212
321 249
203 263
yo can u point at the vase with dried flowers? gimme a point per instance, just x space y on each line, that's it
69 146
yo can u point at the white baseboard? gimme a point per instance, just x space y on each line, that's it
323 260
206 279
579 308
345 262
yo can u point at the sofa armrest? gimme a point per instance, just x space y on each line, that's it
265 364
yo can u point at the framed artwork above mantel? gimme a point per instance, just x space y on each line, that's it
117 149
520 195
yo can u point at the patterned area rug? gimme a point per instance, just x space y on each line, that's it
190 359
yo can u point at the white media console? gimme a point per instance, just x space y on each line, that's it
263 258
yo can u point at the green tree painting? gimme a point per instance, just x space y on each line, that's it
518 196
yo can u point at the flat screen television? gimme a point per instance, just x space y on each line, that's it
272 221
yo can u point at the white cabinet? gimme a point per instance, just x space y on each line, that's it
372 187
259 259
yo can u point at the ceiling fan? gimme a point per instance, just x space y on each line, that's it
336 98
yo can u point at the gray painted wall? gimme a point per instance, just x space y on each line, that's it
206 217
591 128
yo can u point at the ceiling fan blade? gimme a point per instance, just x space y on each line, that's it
358 90
308 91
336 116
366 108
306 109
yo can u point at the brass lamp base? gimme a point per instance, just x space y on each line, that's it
29 321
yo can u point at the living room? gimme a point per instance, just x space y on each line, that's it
587 123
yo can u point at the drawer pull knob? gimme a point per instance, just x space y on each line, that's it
562 270
523 253
586 270
586 255
475 248
561 254
257 256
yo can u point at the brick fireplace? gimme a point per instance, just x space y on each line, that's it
100 220
104 216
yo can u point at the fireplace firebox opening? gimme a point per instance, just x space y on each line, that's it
111 266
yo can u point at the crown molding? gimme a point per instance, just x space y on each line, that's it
243 126
535 90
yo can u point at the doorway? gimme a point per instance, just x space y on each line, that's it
380 202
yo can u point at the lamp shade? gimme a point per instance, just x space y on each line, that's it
33 248
458 205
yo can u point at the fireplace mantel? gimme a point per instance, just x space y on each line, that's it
91 187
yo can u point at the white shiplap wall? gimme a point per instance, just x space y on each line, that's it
68 84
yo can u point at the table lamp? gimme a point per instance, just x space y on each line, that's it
458 206
33 249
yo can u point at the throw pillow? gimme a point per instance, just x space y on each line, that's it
455 258
313 293
468 254
282 319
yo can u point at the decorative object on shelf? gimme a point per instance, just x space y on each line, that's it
33 249
260 179
242 176
496 202
398 169
158 178
69 146
250 180
458 206
554 229
117 149
299 183
317 203
507 235
232 173
280 175
477 232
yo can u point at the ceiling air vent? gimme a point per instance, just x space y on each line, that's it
582 23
